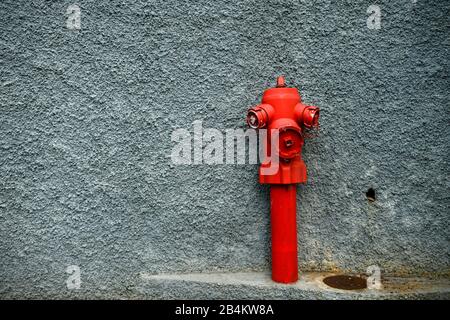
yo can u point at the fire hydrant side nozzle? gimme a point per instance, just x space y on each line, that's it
283 114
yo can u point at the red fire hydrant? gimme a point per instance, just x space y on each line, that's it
285 117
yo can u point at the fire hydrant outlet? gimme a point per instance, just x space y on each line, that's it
311 117
257 117
284 116
290 144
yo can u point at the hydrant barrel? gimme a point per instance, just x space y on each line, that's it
284 232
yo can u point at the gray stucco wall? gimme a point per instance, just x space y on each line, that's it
86 120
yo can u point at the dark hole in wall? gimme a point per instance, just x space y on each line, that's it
370 194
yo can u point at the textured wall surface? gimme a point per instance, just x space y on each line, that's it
87 115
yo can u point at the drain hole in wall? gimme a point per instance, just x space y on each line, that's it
346 282
370 194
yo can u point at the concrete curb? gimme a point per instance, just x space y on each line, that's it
258 285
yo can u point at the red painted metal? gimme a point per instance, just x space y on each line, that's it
284 232
282 111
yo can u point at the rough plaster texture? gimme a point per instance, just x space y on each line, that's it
87 116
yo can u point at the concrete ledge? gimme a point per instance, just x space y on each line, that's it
258 285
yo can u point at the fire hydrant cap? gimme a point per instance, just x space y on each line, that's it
281 83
